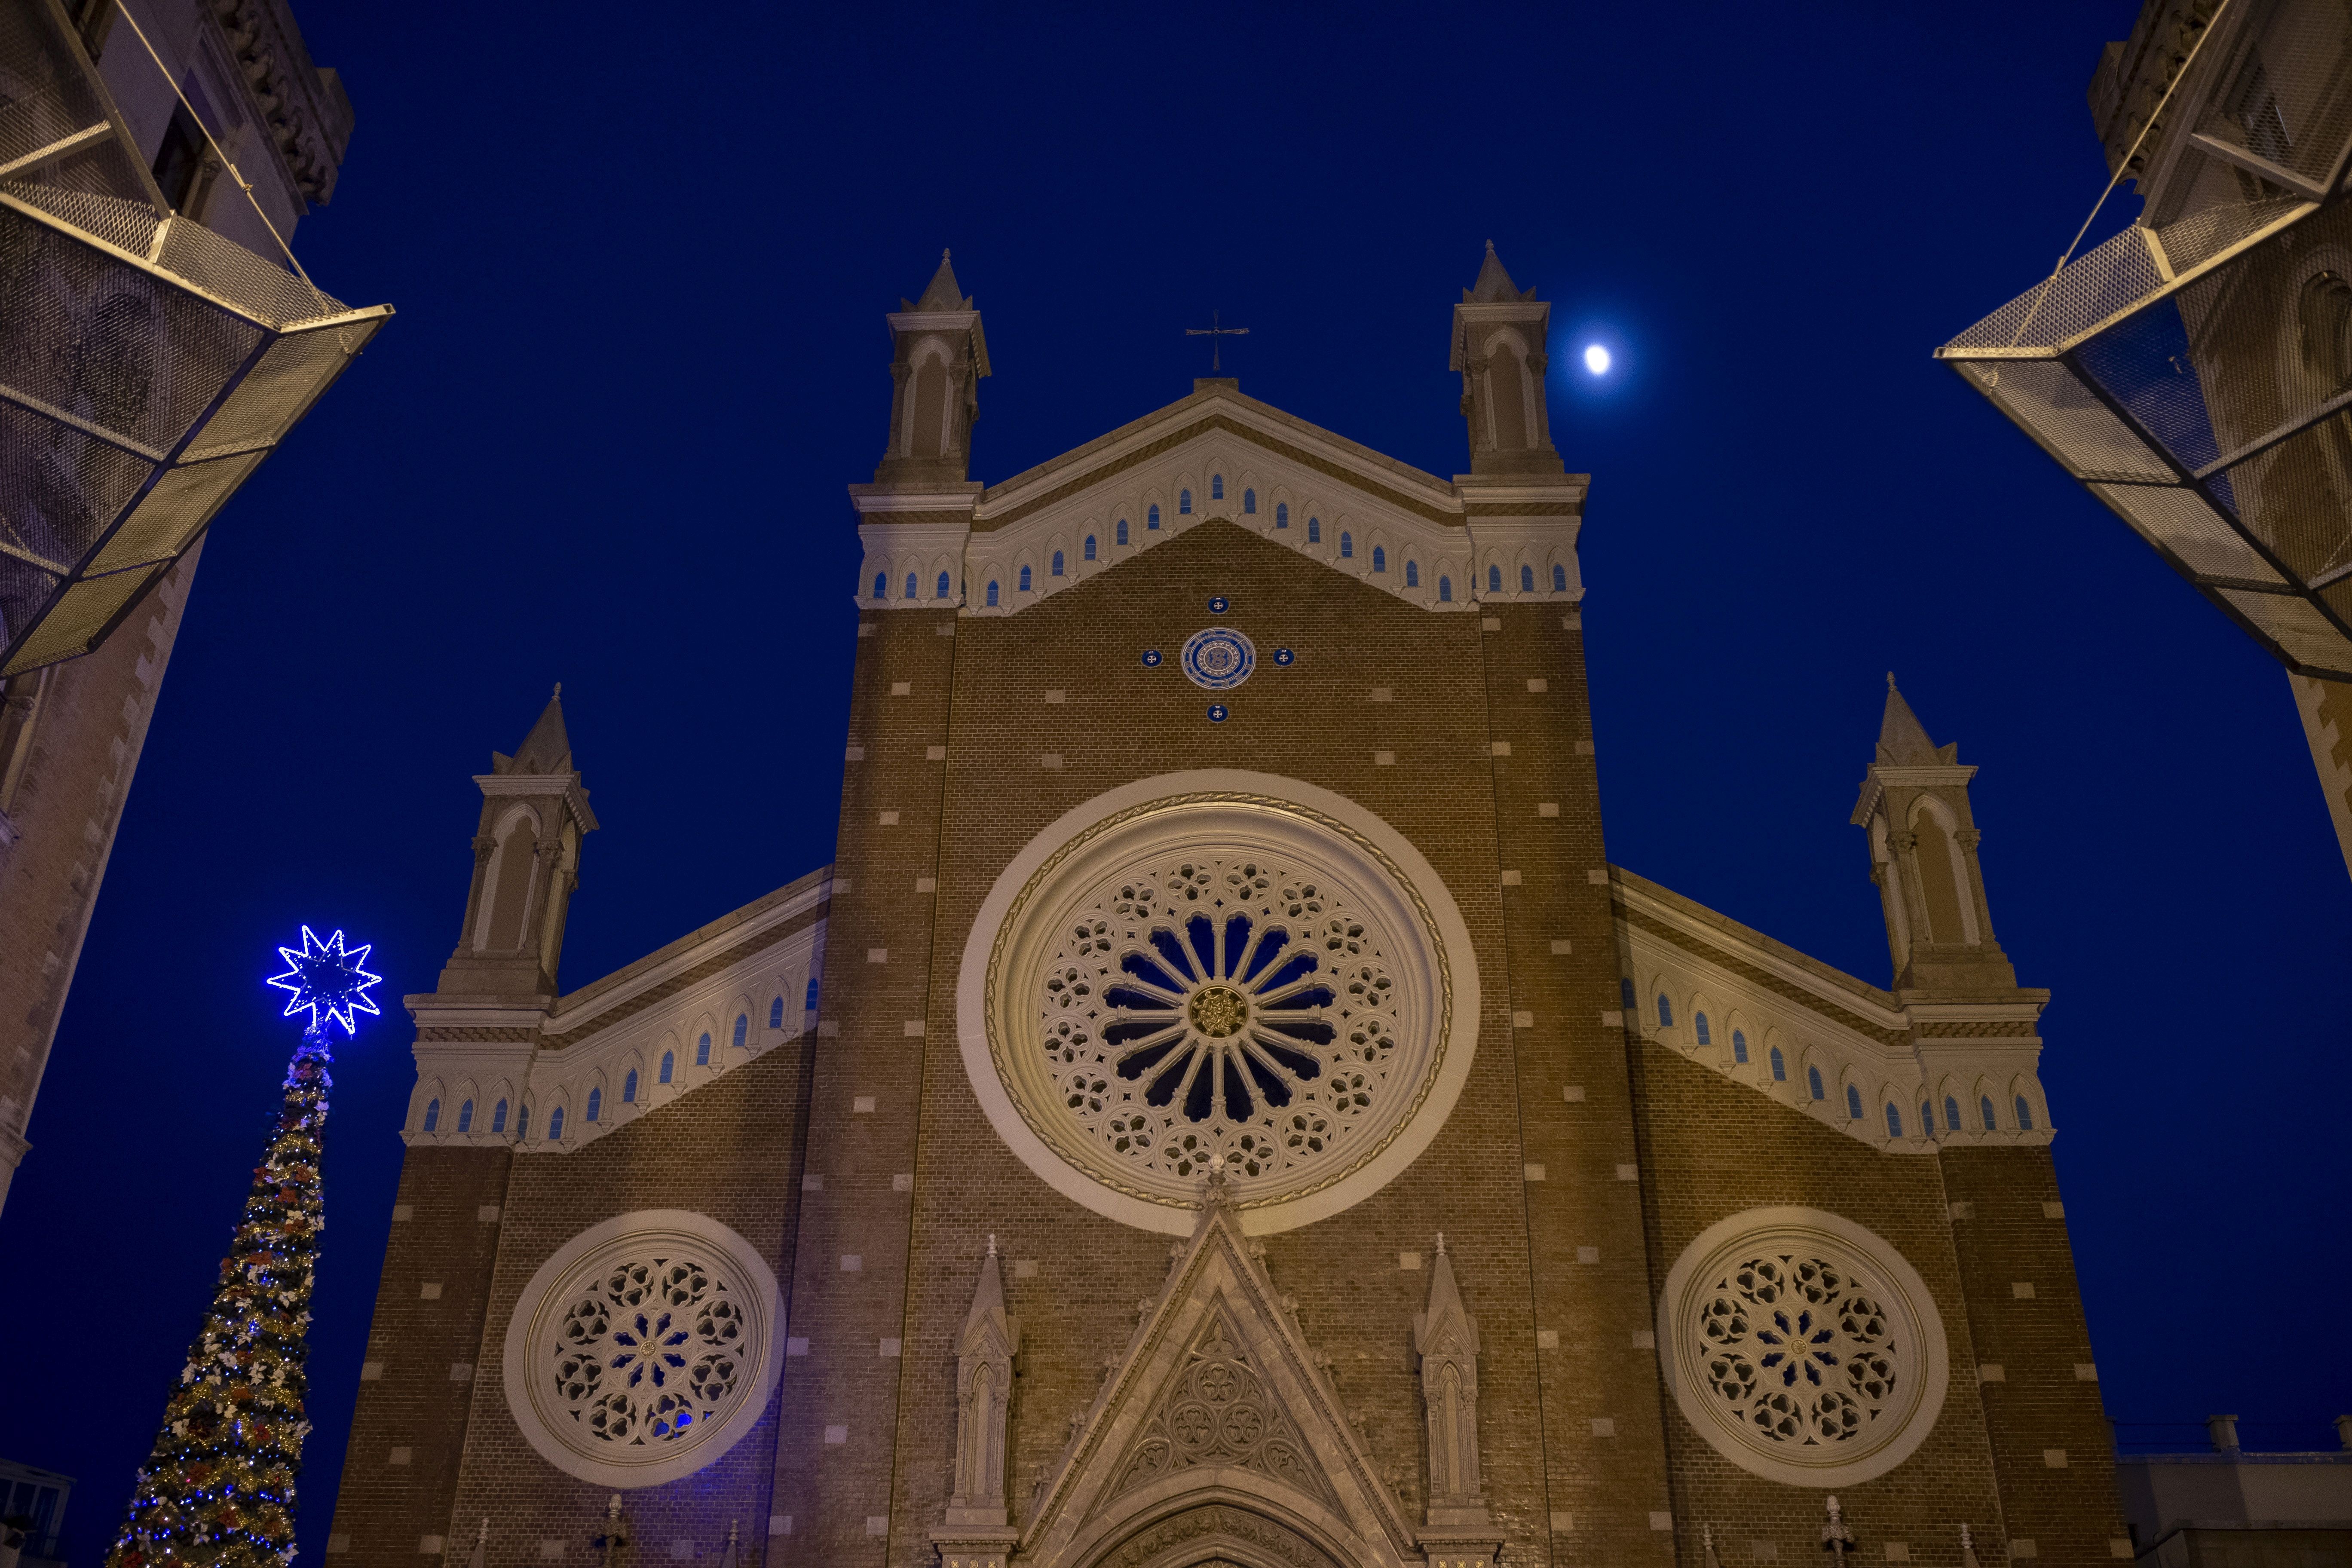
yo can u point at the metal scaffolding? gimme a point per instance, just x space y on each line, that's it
147 364
2195 370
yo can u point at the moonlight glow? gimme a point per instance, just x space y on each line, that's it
1596 360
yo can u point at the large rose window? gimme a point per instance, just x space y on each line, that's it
1212 978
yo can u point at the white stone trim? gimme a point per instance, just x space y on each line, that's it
764 1336
1458 964
1906 1296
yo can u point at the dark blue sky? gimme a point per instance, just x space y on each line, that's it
641 257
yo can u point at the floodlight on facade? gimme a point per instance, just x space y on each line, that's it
147 364
2195 372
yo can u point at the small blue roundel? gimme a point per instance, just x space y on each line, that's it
1217 604
1152 659
1216 712
1283 656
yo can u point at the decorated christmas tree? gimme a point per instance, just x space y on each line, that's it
218 1487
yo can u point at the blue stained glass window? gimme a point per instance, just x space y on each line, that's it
1984 1104
1090 547
1122 530
1814 1082
1894 1122
1666 1012
1057 563
702 1050
776 1014
1249 502
1282 514
1151 518
1780 1067
2024 1115
1183 503
1444 589
1853 1102
629 1088
1347 545
555 1124
466 1117
596 1103
432 1116
1216 487
912 592
1494 579
1024 579
668 1067
522 1120
1739 1045
1380 558
1699 1029
743 1029
1951 1114
943 586
1558 578
881 584
1314 531
992 591
1527 579
810 1006
498 1117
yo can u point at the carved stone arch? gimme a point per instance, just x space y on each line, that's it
1494 562
1892 1094
1099 530
1028 557
1510 391
1056 544
429 1089
1701 1004
1153 495
1221 1525
1171 519
866 571
1346 528
931 574
1564 561
667 1047
632 1062
2024 1087
1972 1111
706 1023
485 1115
1936 830
462 1093
593 1082
1736 1023
1950 1089
928 428
740 1007
1239 488
1277 496
509 882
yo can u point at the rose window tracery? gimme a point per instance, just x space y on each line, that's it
1799 1349
1240 1004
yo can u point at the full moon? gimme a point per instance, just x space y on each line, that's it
1596 360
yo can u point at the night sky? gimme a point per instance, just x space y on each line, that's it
641 258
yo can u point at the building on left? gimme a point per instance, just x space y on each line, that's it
154 344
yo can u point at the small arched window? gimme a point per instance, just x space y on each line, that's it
1527 579
433 1115
1814 1082
1057 563
1183 503
1412 573
1739 1046
702 1050
1927 1119
1380 558
912 592
1444 589
522 1120
1090 547
992 592
1494 579
1347 545
1951 1114
1152 519
1024 579
498 1117
1121 535
1984 1105
555 1125
1780 1067
810 1006
776 1014
668 1073
1558 578
1314 531
1894 1120
466 1117
1699 1029
1853 1102
943 586
1666 1012
1249 503
2024 1115
629 1088
742 1028
1216 487
1282 514
881 584
596 1103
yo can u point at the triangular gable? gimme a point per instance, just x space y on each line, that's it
1218 1399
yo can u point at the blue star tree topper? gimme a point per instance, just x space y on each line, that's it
326 978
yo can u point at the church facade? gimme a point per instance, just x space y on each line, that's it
1220 1105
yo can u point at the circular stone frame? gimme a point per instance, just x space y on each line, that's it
1719 1247
1116 823
547 1293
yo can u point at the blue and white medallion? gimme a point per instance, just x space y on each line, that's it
1218 659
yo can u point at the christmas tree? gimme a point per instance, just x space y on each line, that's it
218 1487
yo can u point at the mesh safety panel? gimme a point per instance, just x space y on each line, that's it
172 514
2179 520
2306 637
80 616
2068 418
292 372
59 489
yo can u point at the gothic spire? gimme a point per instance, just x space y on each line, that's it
1494 284
942 293
1902 740
547 749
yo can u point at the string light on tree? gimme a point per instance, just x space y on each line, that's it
218 1486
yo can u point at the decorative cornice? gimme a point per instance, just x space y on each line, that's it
305 114
565 787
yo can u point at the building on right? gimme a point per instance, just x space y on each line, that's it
2195 370
2232 1505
